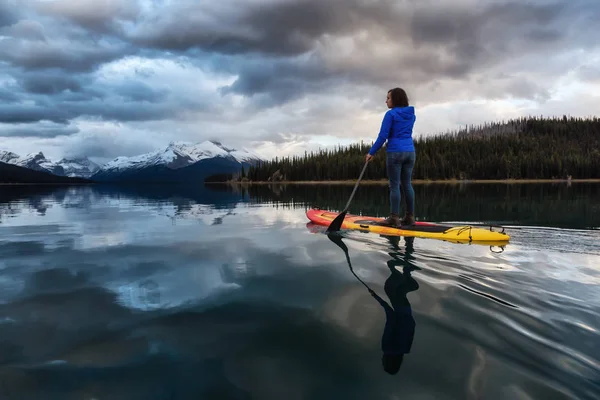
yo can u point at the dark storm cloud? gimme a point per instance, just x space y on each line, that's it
25 29
496 23
443 40
126 112
288 28
83 87
70 57
53 86
278 50
61 113
282 79
140 92
267 27
17 113
8 13
8 95
51 95
93 15
40 130
50 83
33 40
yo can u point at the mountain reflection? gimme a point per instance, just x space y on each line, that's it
174 201
506 204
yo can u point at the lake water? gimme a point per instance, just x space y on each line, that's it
215 293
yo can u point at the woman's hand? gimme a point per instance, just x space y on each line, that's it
368 157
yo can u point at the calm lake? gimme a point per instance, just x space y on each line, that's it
218 293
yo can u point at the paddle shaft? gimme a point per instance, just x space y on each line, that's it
336 224
356 186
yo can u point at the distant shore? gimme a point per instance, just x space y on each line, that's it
45 183
415 181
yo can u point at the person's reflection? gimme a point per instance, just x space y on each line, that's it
399 328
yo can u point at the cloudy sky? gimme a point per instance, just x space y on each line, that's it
108 78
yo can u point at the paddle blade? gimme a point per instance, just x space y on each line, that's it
338 240
336 224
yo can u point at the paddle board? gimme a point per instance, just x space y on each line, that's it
458 234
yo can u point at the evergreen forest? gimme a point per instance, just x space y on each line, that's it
524 148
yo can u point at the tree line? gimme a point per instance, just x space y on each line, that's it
495 203
523 148
10 173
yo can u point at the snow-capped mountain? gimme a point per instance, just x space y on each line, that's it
10 173
8 157
178 162
79 167
76 167
179 155
35 161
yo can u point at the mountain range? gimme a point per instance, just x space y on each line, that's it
10 173
70 167
179 162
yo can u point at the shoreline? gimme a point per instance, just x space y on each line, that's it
414 181
44 183
338 182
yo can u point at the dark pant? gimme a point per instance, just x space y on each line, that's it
399 169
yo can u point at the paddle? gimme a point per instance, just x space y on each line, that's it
338 240
336 224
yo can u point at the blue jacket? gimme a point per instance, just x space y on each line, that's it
396 128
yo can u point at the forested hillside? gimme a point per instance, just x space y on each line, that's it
526 148
14 174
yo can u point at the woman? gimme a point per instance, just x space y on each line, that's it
396 128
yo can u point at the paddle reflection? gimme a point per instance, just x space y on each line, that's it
399 329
